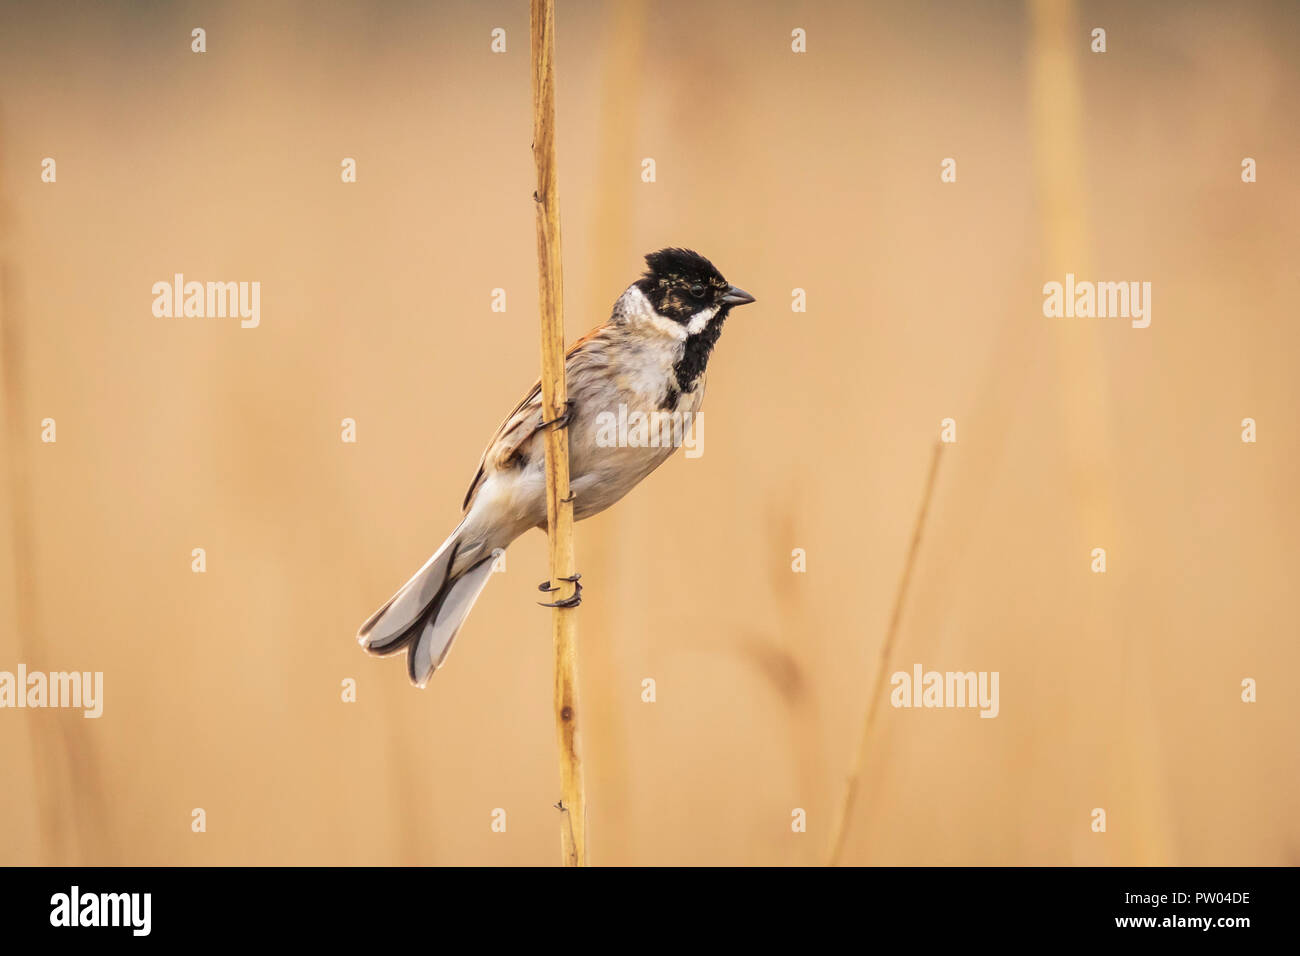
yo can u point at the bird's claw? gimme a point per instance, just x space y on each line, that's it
562 421
573 601
547 586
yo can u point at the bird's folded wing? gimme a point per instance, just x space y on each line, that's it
518 426
522 423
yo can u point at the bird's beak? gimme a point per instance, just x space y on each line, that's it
737 296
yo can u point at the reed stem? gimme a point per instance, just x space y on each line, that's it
559 505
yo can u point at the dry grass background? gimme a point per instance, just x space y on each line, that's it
818 171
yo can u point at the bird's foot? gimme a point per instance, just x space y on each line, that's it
564 417
574 601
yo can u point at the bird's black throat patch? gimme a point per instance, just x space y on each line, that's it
695 358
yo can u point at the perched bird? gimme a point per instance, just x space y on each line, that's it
650 357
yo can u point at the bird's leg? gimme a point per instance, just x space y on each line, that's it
573 601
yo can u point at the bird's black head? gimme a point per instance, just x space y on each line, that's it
682 284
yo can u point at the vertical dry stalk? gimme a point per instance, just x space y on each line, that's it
47 746
1057 111
559 505
841 822
605 718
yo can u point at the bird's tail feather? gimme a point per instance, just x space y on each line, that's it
427 611
425 614
388 630
441 621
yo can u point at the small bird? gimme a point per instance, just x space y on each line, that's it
650 357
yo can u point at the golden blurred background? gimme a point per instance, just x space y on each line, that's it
818 171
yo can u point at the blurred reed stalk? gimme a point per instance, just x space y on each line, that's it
1058 117
559 501
841 822
46 748
622 46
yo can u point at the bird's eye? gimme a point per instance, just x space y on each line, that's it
698 291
